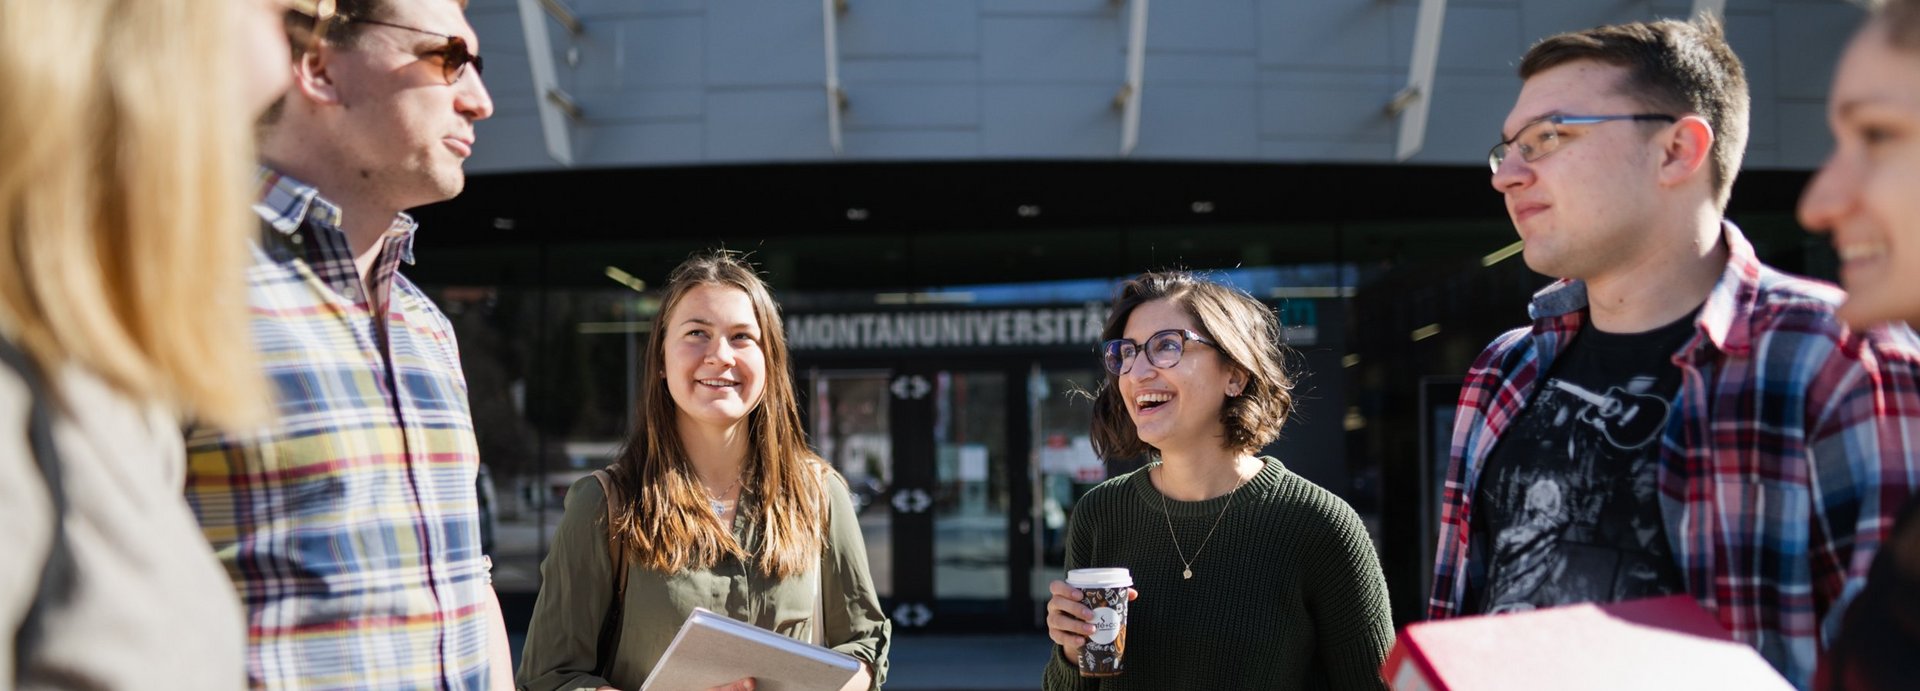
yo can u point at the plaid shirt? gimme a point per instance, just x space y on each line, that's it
350 526
1792 448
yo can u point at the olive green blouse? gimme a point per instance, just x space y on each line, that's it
577 586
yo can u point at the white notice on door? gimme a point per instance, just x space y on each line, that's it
973 463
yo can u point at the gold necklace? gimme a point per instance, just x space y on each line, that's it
1187 564
719 503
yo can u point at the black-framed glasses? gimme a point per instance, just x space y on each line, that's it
1163 350
1542 137
454 57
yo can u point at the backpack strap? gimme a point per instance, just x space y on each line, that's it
610 625
58 568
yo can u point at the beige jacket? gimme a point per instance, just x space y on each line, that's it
149 606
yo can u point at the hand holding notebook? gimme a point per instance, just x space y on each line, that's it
712 650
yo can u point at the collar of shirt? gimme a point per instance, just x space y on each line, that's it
287 203
1725 318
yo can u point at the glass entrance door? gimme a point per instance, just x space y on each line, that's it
849 410
972 501
964 477
1063 468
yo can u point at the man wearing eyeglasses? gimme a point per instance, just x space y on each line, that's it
1678 418
350 526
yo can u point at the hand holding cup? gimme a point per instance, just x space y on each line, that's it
1068 622
1071 621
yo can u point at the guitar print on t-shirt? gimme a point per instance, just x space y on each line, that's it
1628 420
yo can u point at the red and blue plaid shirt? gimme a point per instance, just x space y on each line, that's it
350 526
1792 447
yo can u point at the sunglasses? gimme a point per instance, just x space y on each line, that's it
454 57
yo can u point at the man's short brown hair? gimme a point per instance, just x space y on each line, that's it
1681 68
336 22
333 21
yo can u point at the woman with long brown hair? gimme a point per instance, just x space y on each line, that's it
721 505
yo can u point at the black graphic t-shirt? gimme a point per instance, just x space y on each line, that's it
1566 510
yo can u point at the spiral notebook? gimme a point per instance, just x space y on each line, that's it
712 649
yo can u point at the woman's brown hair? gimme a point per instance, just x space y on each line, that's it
667 521
1246 334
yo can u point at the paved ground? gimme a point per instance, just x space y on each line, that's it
968 663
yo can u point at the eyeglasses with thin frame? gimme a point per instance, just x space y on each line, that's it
454 57
1542 137
1163 350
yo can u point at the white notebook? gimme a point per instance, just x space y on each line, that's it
712 649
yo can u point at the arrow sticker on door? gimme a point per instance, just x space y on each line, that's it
910 387
912 500
912 614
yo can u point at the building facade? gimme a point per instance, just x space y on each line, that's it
943 194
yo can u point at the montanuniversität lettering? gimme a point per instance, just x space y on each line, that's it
950 329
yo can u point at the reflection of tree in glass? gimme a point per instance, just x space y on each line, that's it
561 393
534 376
494 357
854 436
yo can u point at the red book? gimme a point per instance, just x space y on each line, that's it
1659 643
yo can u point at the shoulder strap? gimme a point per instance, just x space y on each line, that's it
610 626
59 565
824 474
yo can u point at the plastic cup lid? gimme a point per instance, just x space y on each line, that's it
1099 578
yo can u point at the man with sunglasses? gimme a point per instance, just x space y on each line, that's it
350 525
1678 418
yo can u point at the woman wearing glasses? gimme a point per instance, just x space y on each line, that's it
1863 198
1246 574
123 245
717 503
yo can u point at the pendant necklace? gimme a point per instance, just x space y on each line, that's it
719 503
1186 572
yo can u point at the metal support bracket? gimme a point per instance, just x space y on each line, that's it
830 11
1416 98
1128 100
557 110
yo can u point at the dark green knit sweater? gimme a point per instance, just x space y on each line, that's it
1287 595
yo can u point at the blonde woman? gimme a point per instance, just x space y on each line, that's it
724 506
123 238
